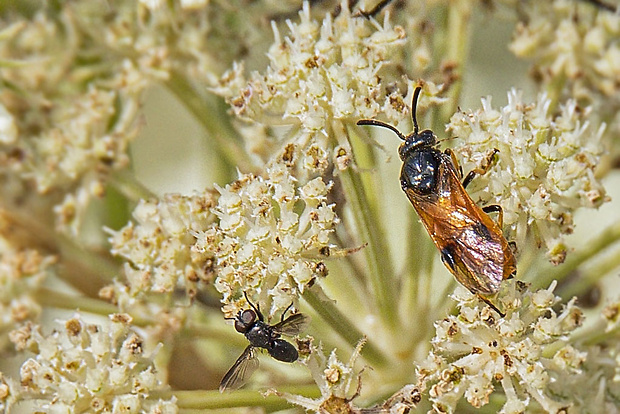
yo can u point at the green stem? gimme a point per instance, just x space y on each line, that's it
51 298
549 350
199 400
441 305
350 266
377 255
124 181
456 47
602 267
596 335
420 254
342 326
587 252
208 328
554 91
211 113
84 269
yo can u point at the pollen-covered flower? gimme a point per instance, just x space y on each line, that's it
573 41
9 392
336 380
323 72
545 168
593 364
611 315
62 134
102 368
270 239
158 248
22 272
524 353
320 71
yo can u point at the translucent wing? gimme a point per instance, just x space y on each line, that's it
292 325
241 370
472 245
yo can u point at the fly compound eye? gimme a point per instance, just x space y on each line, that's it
244 320
248 316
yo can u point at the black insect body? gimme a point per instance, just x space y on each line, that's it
260 334
420 163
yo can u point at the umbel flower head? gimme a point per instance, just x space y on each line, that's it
575 42
270 239
322 72
545 165
62 137
158 248
83 366
22 272
336 380
524 353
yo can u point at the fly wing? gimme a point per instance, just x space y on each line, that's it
477 262
241 370
292 325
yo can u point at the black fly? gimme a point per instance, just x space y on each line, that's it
250 322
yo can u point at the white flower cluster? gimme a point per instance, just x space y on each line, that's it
9 392
270 238
87 367
611 315
61 138
574 41
319 73
524 353
545 168
158 248
21 273
335 380
593 380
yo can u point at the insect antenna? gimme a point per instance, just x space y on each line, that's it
414 109
382 124
439 141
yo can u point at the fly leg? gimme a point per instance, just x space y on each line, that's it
375 10
496 208
481 170
491 305
284 313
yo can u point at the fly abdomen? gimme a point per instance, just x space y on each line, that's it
283 351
